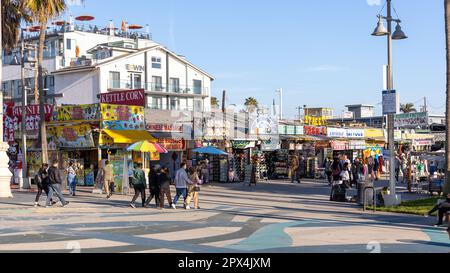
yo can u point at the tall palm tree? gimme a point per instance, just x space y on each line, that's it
408 108
13 13
42 11
447 121
251 104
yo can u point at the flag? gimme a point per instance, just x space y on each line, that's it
123 26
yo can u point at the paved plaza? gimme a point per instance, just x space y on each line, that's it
274 216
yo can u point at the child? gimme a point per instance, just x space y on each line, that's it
345 175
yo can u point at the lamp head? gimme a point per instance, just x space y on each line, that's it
380 30
398 33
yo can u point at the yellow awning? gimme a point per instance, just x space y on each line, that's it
125 136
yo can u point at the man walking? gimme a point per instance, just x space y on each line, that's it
139 185
181 182
153 178
55 181
41 180
109 179
294 168
301 171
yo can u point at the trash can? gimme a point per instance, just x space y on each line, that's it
361 186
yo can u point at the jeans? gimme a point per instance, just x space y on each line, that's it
54 188
180 192
72 181
154 192
139 189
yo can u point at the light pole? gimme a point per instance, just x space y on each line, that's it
392 199
281 102
5 174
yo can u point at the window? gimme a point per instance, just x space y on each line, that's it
157 83
52 80
156 62
69 44
198 105
137 81
174 104
114 79
197 87
174 85
156 103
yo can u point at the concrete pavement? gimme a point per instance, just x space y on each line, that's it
274 216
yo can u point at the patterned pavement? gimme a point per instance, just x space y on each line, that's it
274 216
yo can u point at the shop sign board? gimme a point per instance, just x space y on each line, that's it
164 128
77 136
86 112
122 117
398 135
422 142
129 97
243 144
374 133
355 133
290 130
357 144
268 145
171 144
315 131
411 120
418 136
339 145
337 132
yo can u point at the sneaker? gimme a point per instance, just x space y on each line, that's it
36 205
426 215
108 196
197 208
174 206
438 225
132 205
65 204
188 208
47 207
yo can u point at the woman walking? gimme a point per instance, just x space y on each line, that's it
154 186
72 178
164 185
139 185
193 189
108 176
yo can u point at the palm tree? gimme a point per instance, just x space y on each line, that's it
42 11
408 108
13 13
251 104
447 121
214 102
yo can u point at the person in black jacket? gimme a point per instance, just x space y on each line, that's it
442 209
154 186
164 185
55 182
41 180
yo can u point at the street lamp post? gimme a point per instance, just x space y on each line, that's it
281 102
392 199
5 174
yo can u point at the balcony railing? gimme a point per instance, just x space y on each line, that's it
159 87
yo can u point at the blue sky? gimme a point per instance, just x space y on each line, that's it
320 52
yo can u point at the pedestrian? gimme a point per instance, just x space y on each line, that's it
345 176
181 182
205 172
164 185
294 167
154 186
336 169
433 167
357 172
41 180
108 176
139 185
100 178
371 167
130 173
327 165
55 181
301 170
442 209
397 167
71 178
404 162
193 189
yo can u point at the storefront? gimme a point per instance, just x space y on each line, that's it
242 152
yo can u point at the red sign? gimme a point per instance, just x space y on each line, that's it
33 110
171 144
130 97
315 131
339 145
166 128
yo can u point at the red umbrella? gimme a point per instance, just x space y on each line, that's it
85 18
134 27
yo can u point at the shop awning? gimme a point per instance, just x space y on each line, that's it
127 136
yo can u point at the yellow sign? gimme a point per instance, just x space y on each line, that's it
316 121
121 112
374 133
418 136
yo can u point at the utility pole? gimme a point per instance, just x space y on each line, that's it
5 174
299 112
24 184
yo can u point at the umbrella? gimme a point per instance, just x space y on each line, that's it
147 147
209 150
135 27
85 18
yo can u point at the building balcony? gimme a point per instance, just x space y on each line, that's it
160 89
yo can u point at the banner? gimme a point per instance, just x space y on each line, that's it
171 144
315 131
164 128
270 145
79 136
130 97
411 120
122 117
336 132
339 145
78 112
242 144
32 117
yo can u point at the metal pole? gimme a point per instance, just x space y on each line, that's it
281 103
25 182
390 86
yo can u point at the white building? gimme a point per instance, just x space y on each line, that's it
81 64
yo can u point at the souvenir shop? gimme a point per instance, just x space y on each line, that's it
242 152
